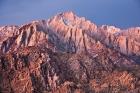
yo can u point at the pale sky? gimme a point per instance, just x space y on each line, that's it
121 13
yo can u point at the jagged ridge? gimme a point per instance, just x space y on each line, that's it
69 54
70 33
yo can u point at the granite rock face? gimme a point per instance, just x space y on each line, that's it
70 33
40 70
69 54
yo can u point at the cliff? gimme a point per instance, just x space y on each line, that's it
69 54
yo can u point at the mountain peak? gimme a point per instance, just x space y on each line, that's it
67 14
67 53
68 32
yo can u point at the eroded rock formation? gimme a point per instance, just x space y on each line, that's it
69 54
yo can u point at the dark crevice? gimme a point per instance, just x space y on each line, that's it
88 75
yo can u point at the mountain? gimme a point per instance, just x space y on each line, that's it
69 54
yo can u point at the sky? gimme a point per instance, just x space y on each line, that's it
120 13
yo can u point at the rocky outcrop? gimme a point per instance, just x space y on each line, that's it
69 54
39 70
7 32
70 33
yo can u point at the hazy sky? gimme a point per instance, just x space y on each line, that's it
121 13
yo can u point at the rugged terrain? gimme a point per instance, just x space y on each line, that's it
69 54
